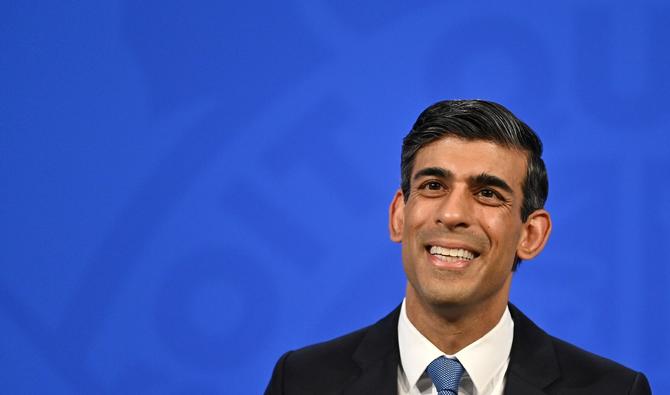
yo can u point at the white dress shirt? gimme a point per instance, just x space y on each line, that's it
485 361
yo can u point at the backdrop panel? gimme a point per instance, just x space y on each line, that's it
192 188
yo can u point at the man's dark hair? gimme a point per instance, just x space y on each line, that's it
479 120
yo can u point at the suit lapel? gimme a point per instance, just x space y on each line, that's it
533 365
515 385
377 356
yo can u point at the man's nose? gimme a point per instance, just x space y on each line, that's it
455 209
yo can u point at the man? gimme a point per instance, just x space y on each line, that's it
469 210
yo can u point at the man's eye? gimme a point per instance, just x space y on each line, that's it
488 193
433 186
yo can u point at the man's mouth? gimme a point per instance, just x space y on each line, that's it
452 254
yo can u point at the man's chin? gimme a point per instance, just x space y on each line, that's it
448 301
454 298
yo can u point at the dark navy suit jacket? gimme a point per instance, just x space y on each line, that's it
366 362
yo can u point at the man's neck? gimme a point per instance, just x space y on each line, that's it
451 327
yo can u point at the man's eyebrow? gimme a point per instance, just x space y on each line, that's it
486 179
433 172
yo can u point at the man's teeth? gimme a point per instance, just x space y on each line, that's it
448 254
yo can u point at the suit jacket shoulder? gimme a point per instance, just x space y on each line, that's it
543 364
362 362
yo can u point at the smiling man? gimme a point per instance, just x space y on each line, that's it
469 210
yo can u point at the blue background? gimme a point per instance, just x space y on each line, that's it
191 188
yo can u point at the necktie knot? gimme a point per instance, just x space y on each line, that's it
446 375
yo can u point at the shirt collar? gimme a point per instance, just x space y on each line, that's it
482 359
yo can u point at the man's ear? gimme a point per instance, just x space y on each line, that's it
534 234
397 216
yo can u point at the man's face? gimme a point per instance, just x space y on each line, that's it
461 225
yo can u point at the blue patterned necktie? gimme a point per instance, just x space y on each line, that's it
446 374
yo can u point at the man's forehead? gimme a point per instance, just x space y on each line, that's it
470 157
